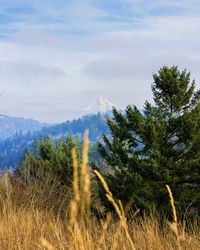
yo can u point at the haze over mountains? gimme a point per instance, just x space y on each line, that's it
17 134
11 125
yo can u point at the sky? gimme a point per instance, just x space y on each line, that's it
58 56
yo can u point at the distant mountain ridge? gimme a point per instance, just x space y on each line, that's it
13 147
11 125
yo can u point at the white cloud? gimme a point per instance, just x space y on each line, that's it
28 70
166 41
56 55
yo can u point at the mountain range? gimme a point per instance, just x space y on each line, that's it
12 148
17 134
11 125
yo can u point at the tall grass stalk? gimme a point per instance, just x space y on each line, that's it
27 223
174 224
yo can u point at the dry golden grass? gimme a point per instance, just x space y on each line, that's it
31 226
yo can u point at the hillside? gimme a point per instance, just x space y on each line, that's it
11 125
12 148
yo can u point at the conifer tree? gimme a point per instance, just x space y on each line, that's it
48 157
157 146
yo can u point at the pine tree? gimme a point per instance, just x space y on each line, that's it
157 146
47 157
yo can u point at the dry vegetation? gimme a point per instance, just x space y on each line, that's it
38 217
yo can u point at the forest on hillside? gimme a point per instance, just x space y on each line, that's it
13 148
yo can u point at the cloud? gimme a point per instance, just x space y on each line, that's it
165 41
28 69
66 53
115 67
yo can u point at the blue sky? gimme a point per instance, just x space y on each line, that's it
58 56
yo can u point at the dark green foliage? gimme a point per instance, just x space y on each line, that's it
158 146
95 159
50 157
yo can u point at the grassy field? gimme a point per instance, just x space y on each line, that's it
39 217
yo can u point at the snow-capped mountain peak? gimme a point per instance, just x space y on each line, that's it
101 104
